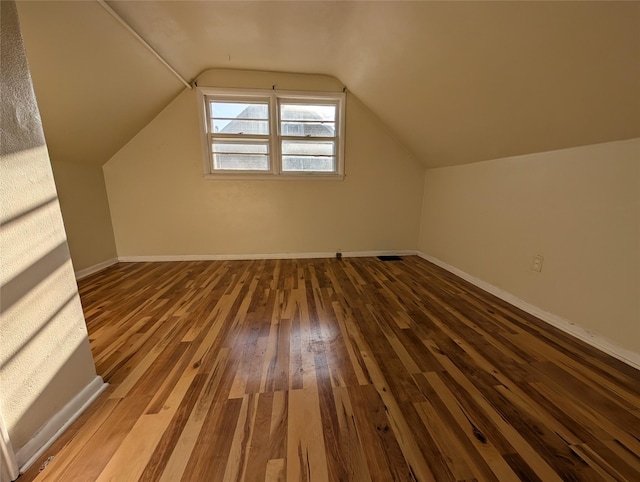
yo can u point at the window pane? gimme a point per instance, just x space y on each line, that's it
308 120
239 117
308 164
238 126
248 147
241 162
232 110
308 148
307 112
240 155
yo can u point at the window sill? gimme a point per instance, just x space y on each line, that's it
273 177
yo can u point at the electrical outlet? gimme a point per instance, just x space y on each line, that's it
536 264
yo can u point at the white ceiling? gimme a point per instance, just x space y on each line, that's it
457 82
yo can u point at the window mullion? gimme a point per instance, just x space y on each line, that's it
308 138
274 123
230 137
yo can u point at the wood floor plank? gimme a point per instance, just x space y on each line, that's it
278 427
133 454
349 440
491 449
306 457
458 464
238 458
382 451
275 471
337 370
418 466
258 449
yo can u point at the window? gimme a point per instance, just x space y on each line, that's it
308 137
239 135
272 134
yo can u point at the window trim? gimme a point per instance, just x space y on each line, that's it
274 97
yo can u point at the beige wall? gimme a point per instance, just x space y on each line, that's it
579 208
45 359
85 210
161 204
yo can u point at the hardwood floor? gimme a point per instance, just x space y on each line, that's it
351 370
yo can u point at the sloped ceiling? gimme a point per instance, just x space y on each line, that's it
456 82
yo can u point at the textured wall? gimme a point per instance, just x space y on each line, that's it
161 204
45 359
579 208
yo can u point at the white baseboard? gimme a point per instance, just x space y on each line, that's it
238 257
57 424
83 273
627 356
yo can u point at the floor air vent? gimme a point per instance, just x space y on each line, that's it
390 258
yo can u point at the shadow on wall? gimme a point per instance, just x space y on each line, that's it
45 358
28 279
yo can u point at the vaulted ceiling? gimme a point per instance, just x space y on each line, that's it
456 82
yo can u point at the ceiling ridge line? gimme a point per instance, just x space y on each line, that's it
115 15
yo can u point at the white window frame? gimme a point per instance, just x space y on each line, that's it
275 98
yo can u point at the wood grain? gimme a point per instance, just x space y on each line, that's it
337 370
